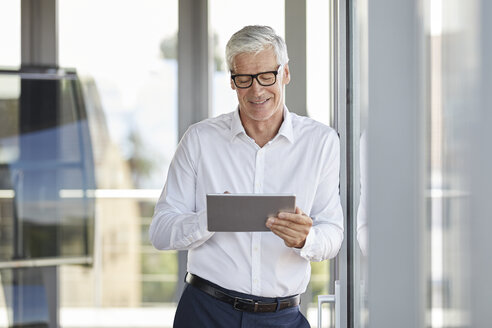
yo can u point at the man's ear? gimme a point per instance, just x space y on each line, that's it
233 86
286 74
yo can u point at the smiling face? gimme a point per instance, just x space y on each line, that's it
259 104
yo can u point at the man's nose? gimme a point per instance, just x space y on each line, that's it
256 85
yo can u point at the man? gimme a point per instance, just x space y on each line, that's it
253 279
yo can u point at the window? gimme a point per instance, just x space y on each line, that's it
10 33
45 155
125 53
320 72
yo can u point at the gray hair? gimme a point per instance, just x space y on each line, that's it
254 39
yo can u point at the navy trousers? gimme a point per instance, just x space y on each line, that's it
197 309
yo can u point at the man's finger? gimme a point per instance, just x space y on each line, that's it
293 220
286 215
286 231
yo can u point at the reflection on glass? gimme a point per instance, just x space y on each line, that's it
360 91
452 42
26 297
128 71
362 224
44 149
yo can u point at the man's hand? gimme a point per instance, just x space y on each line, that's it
293 228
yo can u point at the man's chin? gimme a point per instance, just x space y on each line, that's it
260 114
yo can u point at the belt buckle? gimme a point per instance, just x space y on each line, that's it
239 300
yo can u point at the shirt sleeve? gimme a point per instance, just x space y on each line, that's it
362 209
176 224
326 235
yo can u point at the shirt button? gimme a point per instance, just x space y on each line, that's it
256 248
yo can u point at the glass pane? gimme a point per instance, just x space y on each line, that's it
25 297
129 70
10 33
451 68
126 55
360 90
319 57
44 150
453 55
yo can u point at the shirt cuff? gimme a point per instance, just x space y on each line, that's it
308 245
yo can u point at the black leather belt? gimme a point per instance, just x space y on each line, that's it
239 303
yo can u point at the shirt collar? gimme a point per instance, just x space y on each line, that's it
236 125
285 130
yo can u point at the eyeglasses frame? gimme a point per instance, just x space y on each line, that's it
255 76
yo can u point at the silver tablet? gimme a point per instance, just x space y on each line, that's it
245 212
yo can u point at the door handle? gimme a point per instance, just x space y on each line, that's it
334 299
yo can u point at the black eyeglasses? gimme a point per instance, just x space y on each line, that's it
244 81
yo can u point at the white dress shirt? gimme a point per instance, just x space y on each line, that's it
216 155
